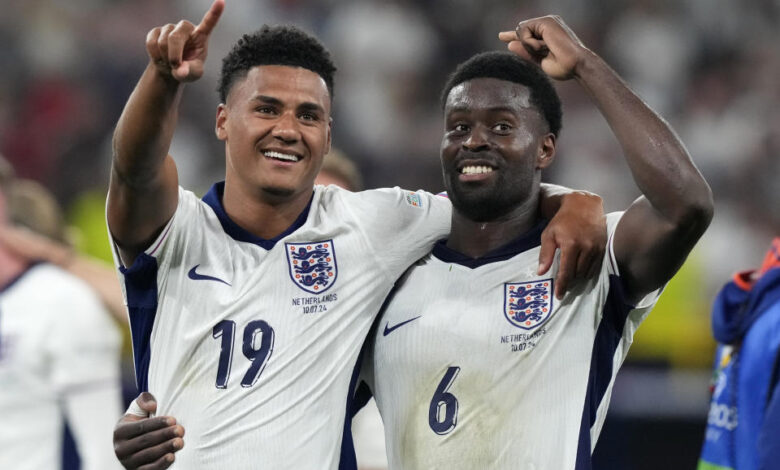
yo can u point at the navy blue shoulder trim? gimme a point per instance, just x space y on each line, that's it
214 199
524 242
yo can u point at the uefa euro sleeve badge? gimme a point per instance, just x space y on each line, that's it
528 304
312 265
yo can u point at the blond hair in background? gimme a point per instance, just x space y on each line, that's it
34 229
339 170
32 206
29 205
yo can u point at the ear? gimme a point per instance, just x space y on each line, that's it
546 153
222 116
328 133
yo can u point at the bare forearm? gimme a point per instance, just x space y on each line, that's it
551 198
143 189
658 231
659 162
144 132
577 227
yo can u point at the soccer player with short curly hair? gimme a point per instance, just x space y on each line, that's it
248 307
475 363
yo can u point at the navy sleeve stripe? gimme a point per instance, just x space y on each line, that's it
141 287
348 459
608 336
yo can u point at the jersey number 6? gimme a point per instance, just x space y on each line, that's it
443 411
258 354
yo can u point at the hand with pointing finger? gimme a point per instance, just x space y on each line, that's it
549 43
179 50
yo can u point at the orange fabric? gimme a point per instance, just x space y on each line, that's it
772 259
745 279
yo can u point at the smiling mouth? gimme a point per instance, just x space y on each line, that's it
475 170
284 157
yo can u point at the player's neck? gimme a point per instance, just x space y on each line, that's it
11 266
264 216
475 239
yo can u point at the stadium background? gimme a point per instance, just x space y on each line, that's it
710 67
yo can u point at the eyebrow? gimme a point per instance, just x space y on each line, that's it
314 107
267 99
495 109
305 106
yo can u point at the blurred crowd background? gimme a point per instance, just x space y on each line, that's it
710 67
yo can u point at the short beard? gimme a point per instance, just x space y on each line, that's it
278 193
484 208
488 204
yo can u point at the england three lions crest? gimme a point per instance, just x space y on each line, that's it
528 304
312 265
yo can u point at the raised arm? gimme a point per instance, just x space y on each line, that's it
143 191
661 227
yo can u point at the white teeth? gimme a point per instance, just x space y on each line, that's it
281 156
475 170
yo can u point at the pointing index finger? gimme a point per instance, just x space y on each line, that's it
211 17
508 36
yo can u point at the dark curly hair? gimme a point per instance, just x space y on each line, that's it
275 45
512 68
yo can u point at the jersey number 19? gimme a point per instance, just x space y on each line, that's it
257 354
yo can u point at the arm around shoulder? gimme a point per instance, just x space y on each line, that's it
578 227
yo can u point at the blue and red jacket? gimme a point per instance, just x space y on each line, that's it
743 427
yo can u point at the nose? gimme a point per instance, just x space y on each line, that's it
476 141
286 129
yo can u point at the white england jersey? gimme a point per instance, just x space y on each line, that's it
59 359
476 365
253 344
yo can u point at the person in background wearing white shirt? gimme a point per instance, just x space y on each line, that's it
59 349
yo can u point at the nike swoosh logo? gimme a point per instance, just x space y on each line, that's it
389 330
202 277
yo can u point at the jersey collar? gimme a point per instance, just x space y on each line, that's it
214 199
524 242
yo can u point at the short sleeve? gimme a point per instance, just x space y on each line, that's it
168 245
186 209
401 226
637 313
